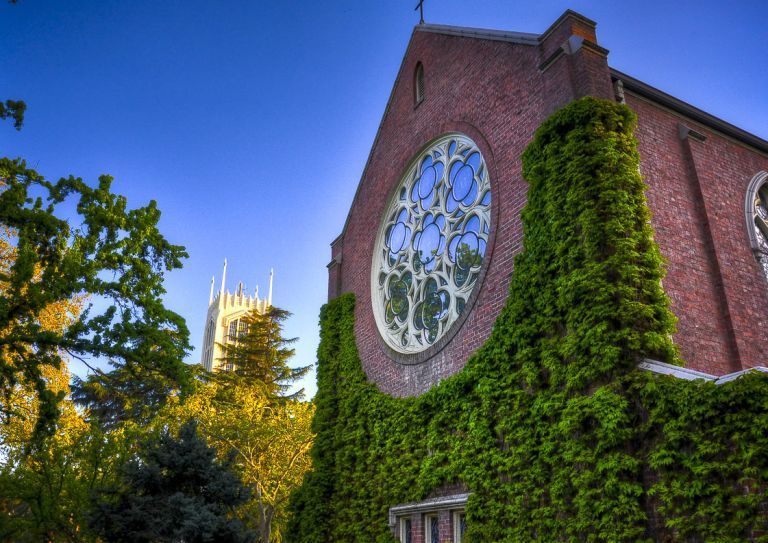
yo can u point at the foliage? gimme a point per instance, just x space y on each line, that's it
270 440
116 254
46 489
13 109
175 491
45 486
260 354
247 409
551 426
125 394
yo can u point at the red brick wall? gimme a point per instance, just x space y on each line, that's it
497 93
696 192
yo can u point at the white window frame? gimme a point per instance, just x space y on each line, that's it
428 526
432 506
232 330
456 524
404 521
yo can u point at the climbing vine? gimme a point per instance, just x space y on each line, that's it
551 427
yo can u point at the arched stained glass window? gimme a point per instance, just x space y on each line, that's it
756 208
431 245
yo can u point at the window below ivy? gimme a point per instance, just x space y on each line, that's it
406 531
459 522
431 529
420 521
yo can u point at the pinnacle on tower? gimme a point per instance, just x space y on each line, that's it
269 296
223 277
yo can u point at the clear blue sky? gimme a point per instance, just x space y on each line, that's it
250 122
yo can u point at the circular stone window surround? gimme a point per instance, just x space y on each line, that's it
419 235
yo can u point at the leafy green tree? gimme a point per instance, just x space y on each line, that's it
260 354
115 254
13 109
45 487
175 491
270 440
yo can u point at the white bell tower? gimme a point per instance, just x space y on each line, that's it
225 310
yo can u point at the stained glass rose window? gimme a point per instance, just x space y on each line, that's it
431 245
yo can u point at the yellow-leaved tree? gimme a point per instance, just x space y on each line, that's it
45 486
250 412
270 440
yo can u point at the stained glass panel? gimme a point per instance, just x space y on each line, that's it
406 534
431 244
434 530
761 225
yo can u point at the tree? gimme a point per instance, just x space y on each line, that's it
247 411
270 439
175 491
124 394
115 254
45 485
260 354
46 489
15 110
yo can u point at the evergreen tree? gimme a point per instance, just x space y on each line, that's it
176 491
123 394
260 354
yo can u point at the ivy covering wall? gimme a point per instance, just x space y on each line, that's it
550 426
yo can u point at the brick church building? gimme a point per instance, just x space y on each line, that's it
704 178
464 106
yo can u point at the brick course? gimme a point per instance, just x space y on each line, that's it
497 92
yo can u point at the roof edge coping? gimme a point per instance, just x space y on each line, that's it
695 114
567 13
522 38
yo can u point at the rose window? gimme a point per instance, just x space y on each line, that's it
760 218
431 245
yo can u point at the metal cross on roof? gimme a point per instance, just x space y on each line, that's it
420 7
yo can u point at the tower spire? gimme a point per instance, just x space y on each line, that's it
269 296
224 277
210 298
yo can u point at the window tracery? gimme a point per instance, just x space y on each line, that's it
757 218
431 244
